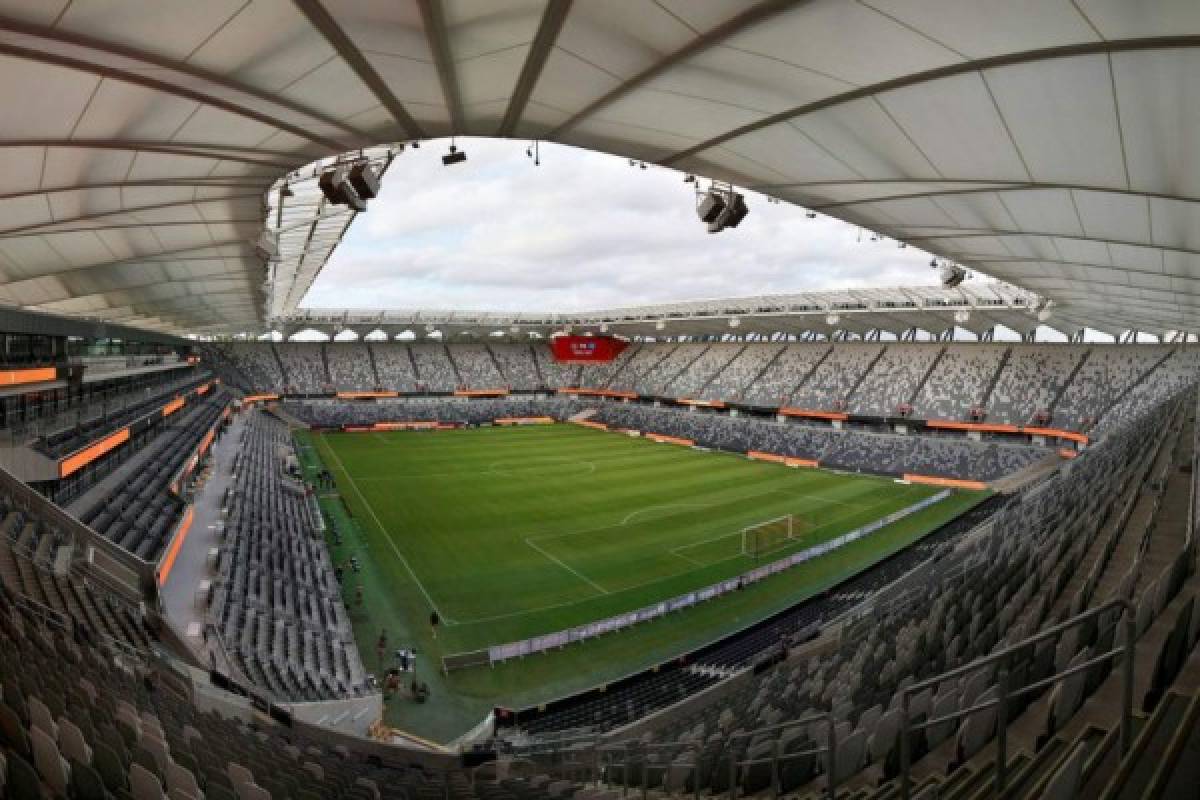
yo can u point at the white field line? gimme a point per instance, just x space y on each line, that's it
388 536
532 542
595 465
542 537
633 514
822 526
568 568
688 559
590 467
555 606
552 465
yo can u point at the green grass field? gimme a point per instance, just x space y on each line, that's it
511 533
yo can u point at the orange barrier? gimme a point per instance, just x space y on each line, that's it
89 454
173 406
598 393
206 441
987 427
687 401
416 425
1067 452
524 421
952 483
18 377
807 412
600 426
203 390
480 392
787 461
664 439
168 562
258 398
365 395
800 462
1056 433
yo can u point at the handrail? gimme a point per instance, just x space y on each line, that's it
1128 649
43 612
634 754
252 690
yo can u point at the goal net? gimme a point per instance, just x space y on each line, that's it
763 538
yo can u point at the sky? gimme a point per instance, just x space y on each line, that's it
582 231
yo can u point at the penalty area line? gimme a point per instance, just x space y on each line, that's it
567 567
388 536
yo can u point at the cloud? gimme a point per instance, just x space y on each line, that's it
582 231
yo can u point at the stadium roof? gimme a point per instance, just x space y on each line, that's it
978 308
1050 143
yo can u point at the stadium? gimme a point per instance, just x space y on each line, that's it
921 540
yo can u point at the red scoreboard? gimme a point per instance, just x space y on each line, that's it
586 349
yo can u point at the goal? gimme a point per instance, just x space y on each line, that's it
763 538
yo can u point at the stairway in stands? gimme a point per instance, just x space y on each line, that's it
287 379
758 375
499 369
991 385
704 386
925 378
1133 386
325 364
458 378
1070 379
374 368
537 367
811 371
862 377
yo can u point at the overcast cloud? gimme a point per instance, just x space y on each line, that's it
582 231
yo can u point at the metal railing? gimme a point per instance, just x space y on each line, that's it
601 762
777 757
235 674
1007 694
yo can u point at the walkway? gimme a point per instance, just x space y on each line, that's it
184 611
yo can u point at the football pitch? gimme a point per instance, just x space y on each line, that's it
515 532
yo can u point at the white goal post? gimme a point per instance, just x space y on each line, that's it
770 535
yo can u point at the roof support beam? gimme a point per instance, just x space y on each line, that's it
1040 263
110 289
160 257
543 42
42 226
751 16
215 153
439 46
190 70
1013 187
198 183
976 233
327 26
145 81
948 71
143 225
189 302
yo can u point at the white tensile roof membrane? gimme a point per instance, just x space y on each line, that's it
1049 143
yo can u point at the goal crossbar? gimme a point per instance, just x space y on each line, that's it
769 535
